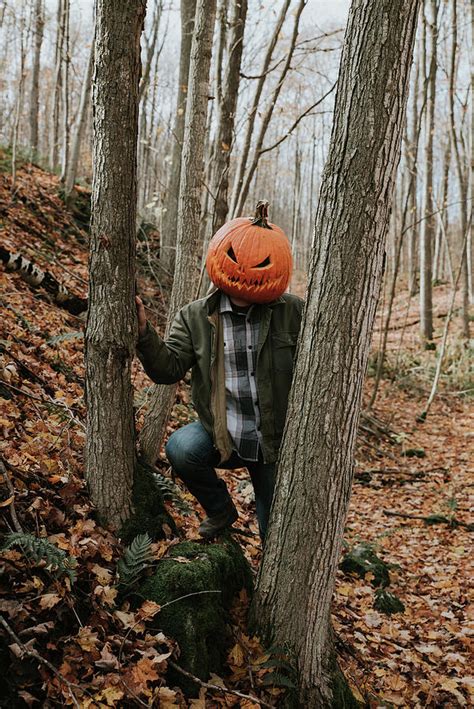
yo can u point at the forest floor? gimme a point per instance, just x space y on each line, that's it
108 655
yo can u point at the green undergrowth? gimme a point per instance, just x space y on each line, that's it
413 372
195 586
151 515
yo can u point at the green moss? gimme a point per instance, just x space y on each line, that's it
150 511
361 560
342 696
214 574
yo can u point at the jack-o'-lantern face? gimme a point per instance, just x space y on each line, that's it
250 259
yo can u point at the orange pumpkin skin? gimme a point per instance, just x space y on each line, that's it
249 261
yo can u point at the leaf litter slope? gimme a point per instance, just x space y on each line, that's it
114 654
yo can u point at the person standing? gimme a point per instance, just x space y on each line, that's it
240 344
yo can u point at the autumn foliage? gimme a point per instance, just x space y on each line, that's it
80 640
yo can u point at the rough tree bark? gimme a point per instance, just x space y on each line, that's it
35 71
111 324
316 460
170 216
428 225
189 211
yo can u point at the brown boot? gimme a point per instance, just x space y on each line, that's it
211 526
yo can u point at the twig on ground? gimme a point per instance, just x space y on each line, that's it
216 688
6 477
434 519
33 653
47 402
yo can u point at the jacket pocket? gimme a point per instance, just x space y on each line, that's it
283 350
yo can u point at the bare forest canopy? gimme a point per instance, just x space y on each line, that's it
45 52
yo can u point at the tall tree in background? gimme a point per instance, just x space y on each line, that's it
111 323
227 92
240 170
226 119
35 72
170 217
316 460
79 127
186 274
428 225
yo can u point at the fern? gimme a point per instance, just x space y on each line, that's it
38 549
171 491
136 559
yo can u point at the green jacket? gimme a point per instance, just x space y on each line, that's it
196 341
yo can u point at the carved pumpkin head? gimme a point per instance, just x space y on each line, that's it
250 259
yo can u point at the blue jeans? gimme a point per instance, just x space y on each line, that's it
191 452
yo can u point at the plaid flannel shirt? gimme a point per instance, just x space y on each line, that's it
241 333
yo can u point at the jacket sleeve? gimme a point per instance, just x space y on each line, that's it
167 361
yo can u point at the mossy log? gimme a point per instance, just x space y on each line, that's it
195 586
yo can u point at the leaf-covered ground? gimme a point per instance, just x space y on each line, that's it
111 654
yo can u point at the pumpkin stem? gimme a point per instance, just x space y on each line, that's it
261 214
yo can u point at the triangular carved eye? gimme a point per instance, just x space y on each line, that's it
230 253
264 263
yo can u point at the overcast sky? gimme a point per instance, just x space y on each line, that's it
316 11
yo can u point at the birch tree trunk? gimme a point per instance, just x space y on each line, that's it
189 211
170 216
35 71
316 461
428 225
111 324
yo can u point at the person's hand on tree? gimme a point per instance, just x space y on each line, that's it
141 316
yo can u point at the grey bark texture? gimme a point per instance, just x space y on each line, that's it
297 575
170 216
111 324
35 71
428 225
79 127
186 274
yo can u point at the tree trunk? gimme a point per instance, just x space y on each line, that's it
111 323
428 225
35 71
239 177
224 139
53 158
462 178
66 60
80 125
170 216
316 461
412 161
189 211
227 109
246 182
